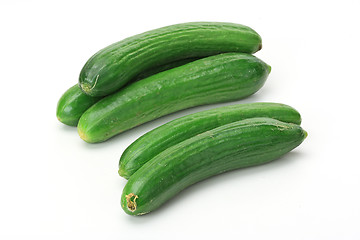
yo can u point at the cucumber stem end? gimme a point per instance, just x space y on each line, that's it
131 201
123 173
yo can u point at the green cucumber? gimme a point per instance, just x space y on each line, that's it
112 67
235 145
220 78
74 102
157 140
164 67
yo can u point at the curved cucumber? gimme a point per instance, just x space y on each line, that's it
219 78
152 143
74 102
112 67
235 145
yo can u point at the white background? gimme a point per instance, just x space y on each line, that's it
55 186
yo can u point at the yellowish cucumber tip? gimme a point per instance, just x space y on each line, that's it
305 134
123 173
269 68
82 135
131 202
85 87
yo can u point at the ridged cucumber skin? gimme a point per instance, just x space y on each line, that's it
157 140
112 67
164 67
220 78
245 143
74 102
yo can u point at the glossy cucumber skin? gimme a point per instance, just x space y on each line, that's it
220 78
74 102
112 67
235 145
157 140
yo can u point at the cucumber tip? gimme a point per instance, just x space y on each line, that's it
305 134
123 173
269 68
85 87
82 135
131 201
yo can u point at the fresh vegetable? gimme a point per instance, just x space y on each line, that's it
112 67
220 78
231 146
74 102
164 67
152 143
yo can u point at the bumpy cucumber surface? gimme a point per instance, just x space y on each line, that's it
164 67
112 67
219 78
157 140
74 102
235 145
